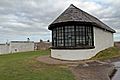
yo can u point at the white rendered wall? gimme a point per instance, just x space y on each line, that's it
102 40
4 49
21 47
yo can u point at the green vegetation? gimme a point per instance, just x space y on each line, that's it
107 54
23 66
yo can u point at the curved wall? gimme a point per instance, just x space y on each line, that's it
102 40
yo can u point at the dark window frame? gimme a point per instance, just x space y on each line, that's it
71 42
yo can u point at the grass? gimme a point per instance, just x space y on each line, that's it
23 66
107 54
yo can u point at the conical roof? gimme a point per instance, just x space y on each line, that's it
73 13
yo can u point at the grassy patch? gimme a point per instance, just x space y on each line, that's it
23 66
107 53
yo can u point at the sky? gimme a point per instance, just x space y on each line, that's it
22 19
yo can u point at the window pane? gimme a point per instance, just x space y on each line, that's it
83 36
72 36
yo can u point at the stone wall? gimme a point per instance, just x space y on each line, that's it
117 44
42 45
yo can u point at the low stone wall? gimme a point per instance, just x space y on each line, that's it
117 44
42 45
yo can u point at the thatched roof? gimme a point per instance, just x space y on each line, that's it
75 14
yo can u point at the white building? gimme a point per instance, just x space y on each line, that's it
16 46
21 46
77 35
4 48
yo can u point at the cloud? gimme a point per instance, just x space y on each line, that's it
32 17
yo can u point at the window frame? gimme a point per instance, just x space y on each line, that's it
68 43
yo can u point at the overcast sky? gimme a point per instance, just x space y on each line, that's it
20 19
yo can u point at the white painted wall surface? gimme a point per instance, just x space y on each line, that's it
21 47
102 40
4 49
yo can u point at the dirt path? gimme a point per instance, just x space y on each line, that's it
84 70
92 72
47 59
